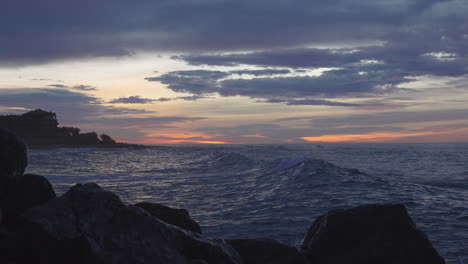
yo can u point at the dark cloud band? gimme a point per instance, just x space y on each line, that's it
83 29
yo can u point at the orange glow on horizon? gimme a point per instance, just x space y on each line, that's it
198 142
371 137
179 141
455 135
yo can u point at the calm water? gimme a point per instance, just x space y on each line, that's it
277 191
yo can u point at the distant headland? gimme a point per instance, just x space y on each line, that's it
40 129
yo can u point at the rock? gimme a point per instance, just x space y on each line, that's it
90 225
85 139
25 192
173 216
39 129
107 140
13 159
381 234
11 246
34 127
254 251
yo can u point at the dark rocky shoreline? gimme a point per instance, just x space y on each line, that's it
40 130
88 224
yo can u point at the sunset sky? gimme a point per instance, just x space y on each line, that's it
257 71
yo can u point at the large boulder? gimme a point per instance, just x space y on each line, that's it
268 251
25 191
173 216
383 234
90 225
13 159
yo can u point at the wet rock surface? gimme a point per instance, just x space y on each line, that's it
368 234
25 191
262 250
173 216
90 225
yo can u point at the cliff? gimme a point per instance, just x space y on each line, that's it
39 128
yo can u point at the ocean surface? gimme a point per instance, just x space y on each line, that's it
277 191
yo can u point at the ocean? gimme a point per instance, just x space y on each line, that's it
273 191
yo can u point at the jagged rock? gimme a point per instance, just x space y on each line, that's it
173 216
13 159
383 234
90 225
268 251
25 191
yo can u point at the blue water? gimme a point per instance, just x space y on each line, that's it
277 191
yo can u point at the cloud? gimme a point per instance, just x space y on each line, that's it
319 102
261 72
140 100
294 57
390 57
83 87
332 83
125 111
359 71
163 99
132 100
37 96
195 82
40 79
139 122
62 86
310 102
392 117
190 98
83 29
79 87
186 98
396 122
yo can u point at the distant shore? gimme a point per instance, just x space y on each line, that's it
60 146
39 129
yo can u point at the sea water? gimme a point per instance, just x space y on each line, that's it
271 191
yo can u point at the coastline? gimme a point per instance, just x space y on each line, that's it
116 145
88 224
40 129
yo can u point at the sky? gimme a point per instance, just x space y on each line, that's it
241 72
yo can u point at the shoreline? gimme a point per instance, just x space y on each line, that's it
62 146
